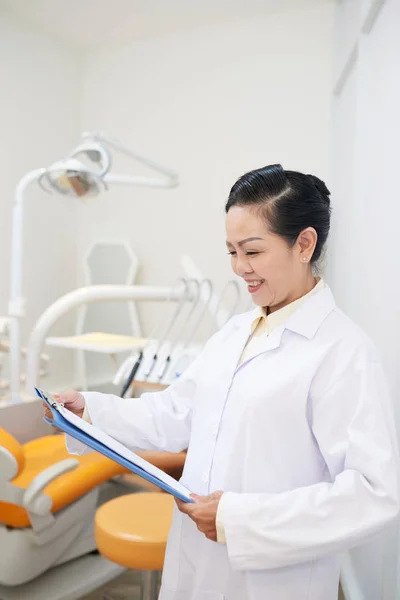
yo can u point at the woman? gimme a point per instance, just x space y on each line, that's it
285 414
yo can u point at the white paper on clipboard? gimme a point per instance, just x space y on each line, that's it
120 449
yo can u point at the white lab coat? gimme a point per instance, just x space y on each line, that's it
300 438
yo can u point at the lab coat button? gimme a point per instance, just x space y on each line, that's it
214 429
205 477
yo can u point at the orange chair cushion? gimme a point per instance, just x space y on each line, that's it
93 470
41 453
132 530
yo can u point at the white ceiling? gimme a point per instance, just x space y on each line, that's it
87 23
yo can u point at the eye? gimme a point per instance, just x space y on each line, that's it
251 253
232 253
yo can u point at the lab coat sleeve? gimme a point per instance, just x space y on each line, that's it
155 421
353 426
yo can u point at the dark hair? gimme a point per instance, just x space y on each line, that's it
290 201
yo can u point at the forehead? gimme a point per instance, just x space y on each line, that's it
243 222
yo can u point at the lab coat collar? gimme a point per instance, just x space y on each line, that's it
306 320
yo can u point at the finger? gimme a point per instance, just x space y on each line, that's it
216 494
202 527
183 506
49 416
200 499
187 508
207 529
211 497
68 395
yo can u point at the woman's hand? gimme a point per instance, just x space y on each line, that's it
203 512
73 400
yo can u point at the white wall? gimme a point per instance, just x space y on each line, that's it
39 121
212 103
363 262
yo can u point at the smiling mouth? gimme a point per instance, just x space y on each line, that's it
255 285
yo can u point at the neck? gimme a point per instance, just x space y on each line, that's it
304 287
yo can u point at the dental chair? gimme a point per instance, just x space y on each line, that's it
47 505
48 502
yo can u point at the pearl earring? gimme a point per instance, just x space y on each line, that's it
304 258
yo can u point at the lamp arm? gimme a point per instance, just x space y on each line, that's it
171 176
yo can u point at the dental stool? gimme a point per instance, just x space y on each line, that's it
132 531
48 501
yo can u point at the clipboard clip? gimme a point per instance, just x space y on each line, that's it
51 403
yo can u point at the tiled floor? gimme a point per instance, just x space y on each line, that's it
127 587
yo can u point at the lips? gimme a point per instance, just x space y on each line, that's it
254 285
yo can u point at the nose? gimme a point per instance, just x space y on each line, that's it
243 266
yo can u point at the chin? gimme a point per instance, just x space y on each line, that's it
260 300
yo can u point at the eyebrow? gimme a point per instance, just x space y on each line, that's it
250 239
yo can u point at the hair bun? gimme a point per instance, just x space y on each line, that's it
321 187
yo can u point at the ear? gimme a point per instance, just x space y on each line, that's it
306 243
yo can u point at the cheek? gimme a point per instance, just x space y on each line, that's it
273 267
265 266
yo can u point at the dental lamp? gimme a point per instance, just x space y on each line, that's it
85 172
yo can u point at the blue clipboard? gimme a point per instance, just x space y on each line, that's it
67 427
